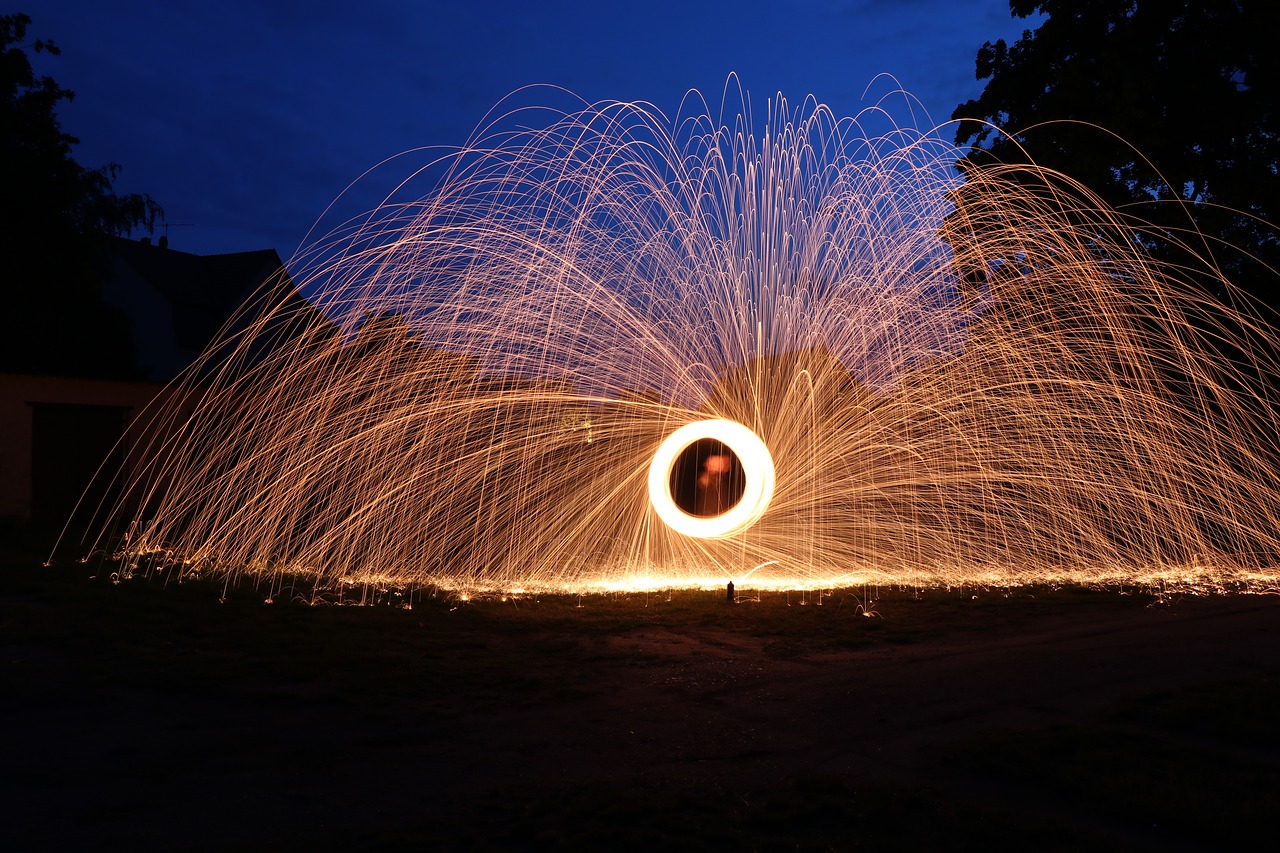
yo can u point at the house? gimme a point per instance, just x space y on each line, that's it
56 432
177 301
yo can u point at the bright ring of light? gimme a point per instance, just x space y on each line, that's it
757 468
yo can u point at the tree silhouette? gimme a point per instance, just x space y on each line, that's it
1166 110
55 220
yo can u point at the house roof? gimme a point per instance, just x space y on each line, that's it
204 292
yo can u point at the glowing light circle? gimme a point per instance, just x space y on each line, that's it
757 468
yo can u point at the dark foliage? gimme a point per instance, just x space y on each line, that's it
1149 105
56 217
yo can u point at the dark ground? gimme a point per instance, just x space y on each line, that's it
140 716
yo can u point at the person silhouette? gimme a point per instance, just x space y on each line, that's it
713 485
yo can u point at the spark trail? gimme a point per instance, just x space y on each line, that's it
957 381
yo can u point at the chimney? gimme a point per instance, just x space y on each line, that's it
164 241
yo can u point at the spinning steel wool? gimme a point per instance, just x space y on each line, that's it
612 352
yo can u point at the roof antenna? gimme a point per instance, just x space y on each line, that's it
163 242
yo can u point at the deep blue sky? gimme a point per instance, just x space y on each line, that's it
246 119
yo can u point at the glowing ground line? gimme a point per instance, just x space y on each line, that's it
757 468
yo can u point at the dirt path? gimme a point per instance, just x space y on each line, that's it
699 708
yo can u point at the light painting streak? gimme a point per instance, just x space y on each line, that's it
757 469
956 382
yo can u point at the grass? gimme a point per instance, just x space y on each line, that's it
145 715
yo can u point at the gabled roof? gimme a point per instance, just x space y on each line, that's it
204 290
200 294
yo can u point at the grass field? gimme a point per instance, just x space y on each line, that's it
145 715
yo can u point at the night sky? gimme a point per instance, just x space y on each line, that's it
245 120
